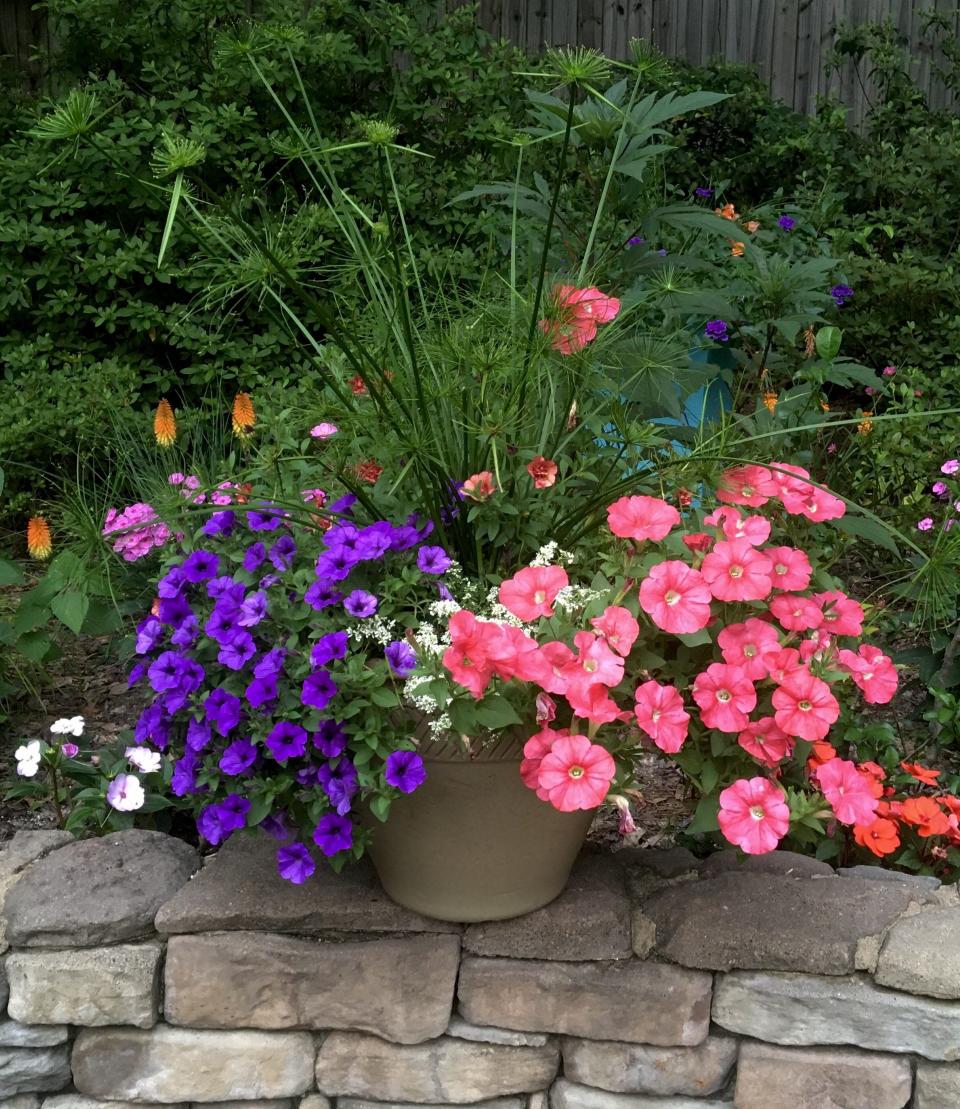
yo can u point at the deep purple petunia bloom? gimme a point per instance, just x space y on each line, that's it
318 690
339 782
220 523
198 735
433 560
166 671
717 331
330 739
226 592
336 565
342 506
405 770
223 623
636 240
262 691
186 634
333 834
286 741
149 635
401 657
786 222
374 541
171 584
222 710
238 757
328 648
320 596
703 192
254 558
253 610
152 726
263 521
282 553
270 664
233 812
275 825
200 566
136 674
209 826
841 294
173 611
236 654
184 778
360 603
295 863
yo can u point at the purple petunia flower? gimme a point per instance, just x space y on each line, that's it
166 671
200 566
405 771
318 690
433 560
335 565
220 523
238 757
223 623
136 674
786 222
226 592
286 741
209 825
361 604
186 634
275 825
149 635
152 726
262 691
233 812
253 610
222 711
343 506
717 331
333 834
320 596
198 735
636 240
173 611
841 294
295 863
703 191
254 558
330 739
263 521
401 657
171 584
329 648
282 553
236 654
184 778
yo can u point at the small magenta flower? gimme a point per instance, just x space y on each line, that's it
889 371
69 750
950 467
323 431
939 488
925 524
360 603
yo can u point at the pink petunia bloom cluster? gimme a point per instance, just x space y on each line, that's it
137 530
574 316
754 675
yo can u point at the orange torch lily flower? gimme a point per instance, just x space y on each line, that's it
164 424
244 415
39 540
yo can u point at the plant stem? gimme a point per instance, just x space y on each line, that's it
55 796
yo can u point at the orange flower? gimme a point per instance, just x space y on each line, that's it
164 424
752 225
809 343
770 399
727 212
543 471
369 471
824 407
243 492
478 487
881 837
866 424
39 541
820 752
736 249
244 416
357 386
155 607
926 816
922 773
874 769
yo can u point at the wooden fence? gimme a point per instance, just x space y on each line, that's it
787 41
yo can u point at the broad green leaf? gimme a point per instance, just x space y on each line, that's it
828 342
10 573
34 645
705 818
496 712
70 609
865 528
380 807
463 716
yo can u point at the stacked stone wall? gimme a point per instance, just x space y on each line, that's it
132 974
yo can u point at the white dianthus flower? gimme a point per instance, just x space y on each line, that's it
68 725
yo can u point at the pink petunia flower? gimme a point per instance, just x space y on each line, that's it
576 773
642 518
791 568
841 614
745 644
574 315
530 593
594 664
795 613
559 658
618 627
873 672
753 815
660 713
543 471
752 486
804 706
736 571
754 529
675 597
468 656
766 741
782 663
950 467
593 702
847 791
534 750
725 695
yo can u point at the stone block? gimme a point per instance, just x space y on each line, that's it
766 922
79 1101
482 1034
316 1101
268 1103
924 883
179 1064
15 1034
630 1001
921 954
365 1103
29 845
589 920
937 1086
640 1069
353 1064
29 1070
97 891
20 1101
665 862
4 986
570 1095
398 988
771 1077
241 891
86 986
807 1010
786 864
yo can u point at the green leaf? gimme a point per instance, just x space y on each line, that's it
34 645
869 529
463 716
828 342
10 573
705 817
259 809
496 712
71 609
380 806
385 696
709 777
695 639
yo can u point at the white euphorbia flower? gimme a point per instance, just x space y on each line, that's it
28 759
68 725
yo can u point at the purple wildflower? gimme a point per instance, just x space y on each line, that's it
433 560
171 584
841 294
236 654
271 663
263 521
253 610
703 192
717 331
361 604
222 711
149 635
262 691
333 834
405 771
786 222
254 557
220 523
201 565
295 863
320 596
282 553
198 735
636 240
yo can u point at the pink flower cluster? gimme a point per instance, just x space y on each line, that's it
574 316
188 484
769 688
138 530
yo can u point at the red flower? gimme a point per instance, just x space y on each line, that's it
479 487
879 836
357 386
543 472
369 471
925 815
922 773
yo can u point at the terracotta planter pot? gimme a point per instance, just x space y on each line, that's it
473 843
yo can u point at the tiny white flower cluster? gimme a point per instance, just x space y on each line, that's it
493 610
440 726
378 628
419 700
551 555
428 642
443 610
573 597
68 725
28 759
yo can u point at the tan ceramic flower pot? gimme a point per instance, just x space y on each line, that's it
473 843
